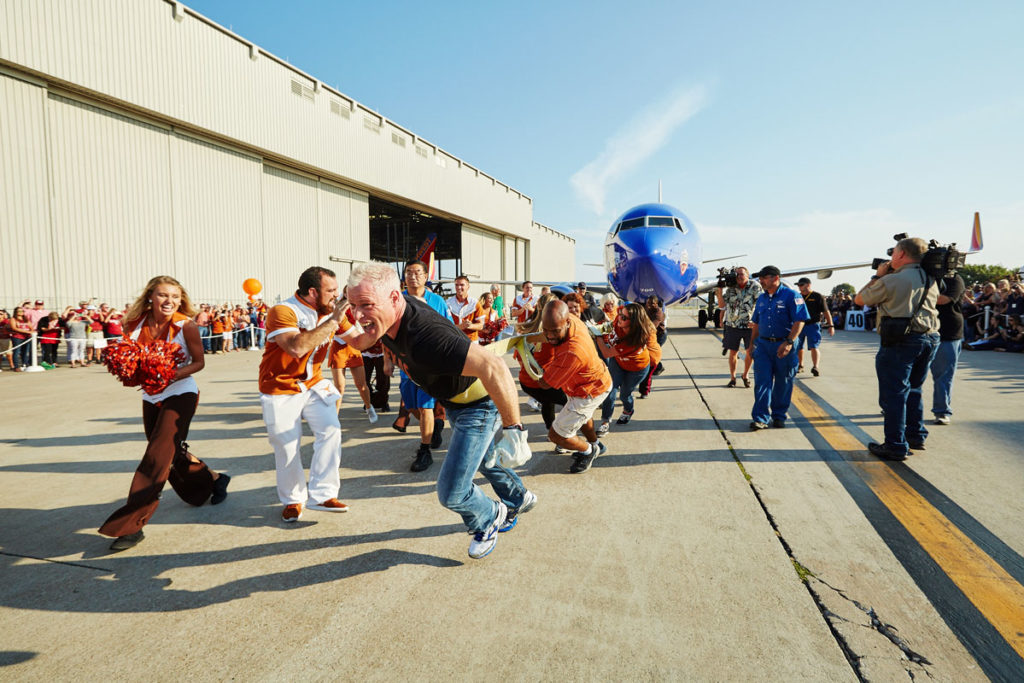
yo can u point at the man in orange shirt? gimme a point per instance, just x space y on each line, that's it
466 311
299 333
576 369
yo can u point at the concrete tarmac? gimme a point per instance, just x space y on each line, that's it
694 550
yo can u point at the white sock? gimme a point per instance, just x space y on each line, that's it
590 449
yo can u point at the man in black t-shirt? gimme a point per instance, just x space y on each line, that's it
475 387
810 336
951 337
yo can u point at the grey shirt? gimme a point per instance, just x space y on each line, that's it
898 294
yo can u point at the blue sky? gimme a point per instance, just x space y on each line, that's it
800 133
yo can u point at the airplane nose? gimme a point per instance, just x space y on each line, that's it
655 262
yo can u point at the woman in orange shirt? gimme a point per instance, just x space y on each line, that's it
632 348
164 312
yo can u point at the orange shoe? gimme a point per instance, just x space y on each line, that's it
329 505
292 513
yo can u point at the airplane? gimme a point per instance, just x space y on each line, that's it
655 249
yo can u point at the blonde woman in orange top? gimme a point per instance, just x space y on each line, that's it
164 312
631 349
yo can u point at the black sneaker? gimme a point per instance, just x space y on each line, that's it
220 489
917 446
529 500
886 453
423 459
435 440
778 424
129 541
814 371
658 370
585 460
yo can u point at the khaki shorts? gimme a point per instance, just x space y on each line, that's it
575 413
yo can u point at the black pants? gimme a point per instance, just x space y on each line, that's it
166 424
548 399
378 382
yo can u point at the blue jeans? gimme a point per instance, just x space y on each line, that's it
943 370
260 336
22 354
472 438
901 370
624 383
773 381
204 332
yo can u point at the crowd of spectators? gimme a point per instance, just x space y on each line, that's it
86 329
992 314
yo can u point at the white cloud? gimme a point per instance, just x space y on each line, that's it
635 143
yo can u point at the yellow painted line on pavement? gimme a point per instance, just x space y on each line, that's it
986 584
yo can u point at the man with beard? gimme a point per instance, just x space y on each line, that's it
576 369
475 387
299 333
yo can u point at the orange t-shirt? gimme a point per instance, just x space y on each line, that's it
344 355
542 354
218 326
575 366
280 372
632 358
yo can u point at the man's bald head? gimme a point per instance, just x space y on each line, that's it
555 322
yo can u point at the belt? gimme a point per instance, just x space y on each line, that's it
774 339
738 327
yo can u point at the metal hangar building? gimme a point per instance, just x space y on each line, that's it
139 138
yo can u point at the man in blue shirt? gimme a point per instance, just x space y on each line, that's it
414 399
779 315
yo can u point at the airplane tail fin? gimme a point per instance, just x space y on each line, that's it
976 242
426 254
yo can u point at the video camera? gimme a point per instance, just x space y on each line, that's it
727 278
941 260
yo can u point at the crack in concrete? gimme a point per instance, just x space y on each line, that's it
68 564
852 658
890 632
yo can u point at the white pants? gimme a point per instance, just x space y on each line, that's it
283 414
76 350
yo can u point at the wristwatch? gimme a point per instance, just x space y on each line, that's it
789 341
518 426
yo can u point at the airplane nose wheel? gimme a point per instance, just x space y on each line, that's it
702 318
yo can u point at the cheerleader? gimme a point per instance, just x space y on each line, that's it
164 313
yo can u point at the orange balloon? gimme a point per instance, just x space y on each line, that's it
252 286
253 298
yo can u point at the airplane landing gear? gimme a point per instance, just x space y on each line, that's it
702 318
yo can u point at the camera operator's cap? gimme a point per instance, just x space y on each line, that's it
766 271
581 285
803 281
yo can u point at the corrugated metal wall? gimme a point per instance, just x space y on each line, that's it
157 162
95 202
26 247
153 55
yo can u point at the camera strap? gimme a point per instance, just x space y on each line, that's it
924 295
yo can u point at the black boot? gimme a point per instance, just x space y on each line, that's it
423 459
435 441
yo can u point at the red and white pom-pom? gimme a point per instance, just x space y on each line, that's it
152 367
493 328
158 366
122 361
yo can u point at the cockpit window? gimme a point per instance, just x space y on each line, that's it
632 223
660 222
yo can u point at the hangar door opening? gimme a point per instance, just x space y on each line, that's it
397 232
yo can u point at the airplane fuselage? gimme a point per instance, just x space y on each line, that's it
653 249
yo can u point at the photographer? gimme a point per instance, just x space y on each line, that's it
736 296
908 327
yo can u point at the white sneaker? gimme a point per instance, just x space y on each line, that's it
529 500
603 428
484 541
371 415
534 404
562 451
942 419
